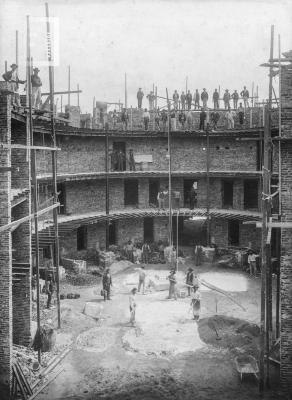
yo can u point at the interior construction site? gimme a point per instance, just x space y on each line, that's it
80 192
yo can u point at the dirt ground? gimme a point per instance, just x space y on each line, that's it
167 355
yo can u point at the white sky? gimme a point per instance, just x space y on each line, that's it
212 42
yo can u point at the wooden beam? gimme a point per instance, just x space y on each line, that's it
24 147
63 92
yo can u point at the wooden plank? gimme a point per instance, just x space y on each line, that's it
46 384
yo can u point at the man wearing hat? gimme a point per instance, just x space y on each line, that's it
12 76
36 84
204 97
189 280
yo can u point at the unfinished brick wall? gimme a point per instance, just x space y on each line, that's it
286 235
130 229
5 242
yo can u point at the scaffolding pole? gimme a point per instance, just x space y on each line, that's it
107 192
169 170
208 182
69 83
54 164
34 180
16 47
126 93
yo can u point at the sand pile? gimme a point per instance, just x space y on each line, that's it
229 332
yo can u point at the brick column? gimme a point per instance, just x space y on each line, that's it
286 236
5 242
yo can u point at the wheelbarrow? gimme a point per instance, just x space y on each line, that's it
246 364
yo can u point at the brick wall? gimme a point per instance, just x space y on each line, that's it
286 236
219 232
130 229
161 229
5 243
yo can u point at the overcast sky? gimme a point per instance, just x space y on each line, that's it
155 42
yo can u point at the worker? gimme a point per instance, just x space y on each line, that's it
193 196
121 161
216 99
106 284
204 97
196 302
142 278
245 95
197 99
157 120
198 254
145 253
189 100
140 96
160 199
182 119
215 116
183 101
130 251
203 117
189 279
172 285
164 120
151 98
240 114
229 115
131 161
114 160
189 118
12 77
146 119
226 99
133 306
49 290
125 119
251 259
175 98
36 84
235 97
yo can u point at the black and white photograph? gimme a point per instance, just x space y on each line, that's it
145 200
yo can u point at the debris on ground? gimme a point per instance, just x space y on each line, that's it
97 339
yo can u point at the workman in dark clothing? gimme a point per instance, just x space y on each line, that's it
216 99
12 77
182 119
183 101
131 161
114 160
106 284
50 290
235 97
125 119
189 99
226 99
240 114
203 116
215 116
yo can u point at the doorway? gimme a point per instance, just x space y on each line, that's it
121 146
61 189
112 233
153 192
148 230
188 183
131 192
233 232
250 194
227 194
82 238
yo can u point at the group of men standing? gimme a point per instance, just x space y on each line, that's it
36 83
119 160
184 101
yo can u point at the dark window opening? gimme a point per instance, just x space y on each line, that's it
82 238
190 195
259 156
153 192
148 230
62 197
233 233
250 194
121 146
227 194
112 233
131 192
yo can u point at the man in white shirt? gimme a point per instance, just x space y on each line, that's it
252 264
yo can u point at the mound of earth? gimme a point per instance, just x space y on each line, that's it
228 332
